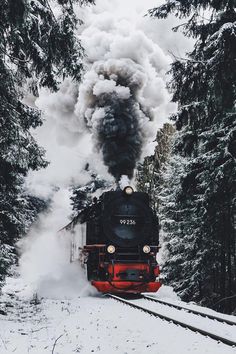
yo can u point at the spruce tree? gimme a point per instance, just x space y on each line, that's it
149 173
82 195
35 46
202 263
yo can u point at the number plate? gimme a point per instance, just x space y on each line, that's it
127 222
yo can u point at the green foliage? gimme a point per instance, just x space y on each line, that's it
7 258
199 219
40 44
149 175
19 152
39 47
82 196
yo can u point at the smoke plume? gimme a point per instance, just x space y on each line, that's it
114 113
122 91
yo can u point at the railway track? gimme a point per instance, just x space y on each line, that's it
178 307
173 320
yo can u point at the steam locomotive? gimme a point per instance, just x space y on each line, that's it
121 238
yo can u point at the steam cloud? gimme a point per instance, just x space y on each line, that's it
122 91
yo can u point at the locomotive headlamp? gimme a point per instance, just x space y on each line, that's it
128 190
146 249
111 249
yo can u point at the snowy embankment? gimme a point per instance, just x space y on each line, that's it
95 324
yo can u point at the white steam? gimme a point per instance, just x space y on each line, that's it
45 263
115 44
124 182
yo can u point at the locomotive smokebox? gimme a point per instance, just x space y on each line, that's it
127 218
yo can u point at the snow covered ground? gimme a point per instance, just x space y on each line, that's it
95 324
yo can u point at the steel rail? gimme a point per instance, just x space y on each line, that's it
177 322
195 312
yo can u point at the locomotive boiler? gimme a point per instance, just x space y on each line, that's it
121 242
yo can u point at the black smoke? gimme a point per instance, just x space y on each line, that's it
119 136
114 113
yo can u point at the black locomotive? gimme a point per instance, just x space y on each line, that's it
122 239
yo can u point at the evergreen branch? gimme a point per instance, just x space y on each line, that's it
176 28
185 23
52 13
177 58
14 58
225 298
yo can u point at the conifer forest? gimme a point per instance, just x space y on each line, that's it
191 175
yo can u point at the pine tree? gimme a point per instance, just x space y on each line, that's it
82 196
149 174
204 86
35 46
